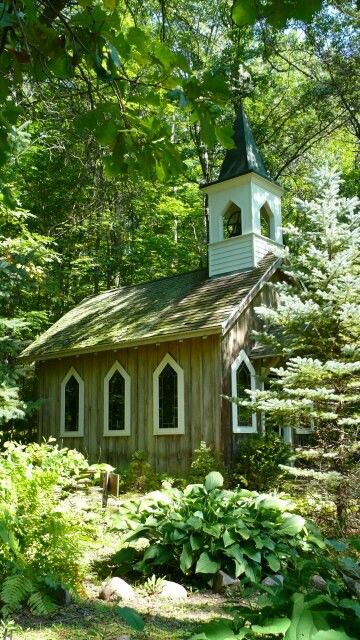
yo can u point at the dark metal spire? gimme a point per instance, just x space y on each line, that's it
245 156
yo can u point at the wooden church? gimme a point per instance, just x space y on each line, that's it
146 367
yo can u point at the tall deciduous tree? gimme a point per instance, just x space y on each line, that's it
23 259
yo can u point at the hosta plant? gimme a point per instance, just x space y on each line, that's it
206 528
317 600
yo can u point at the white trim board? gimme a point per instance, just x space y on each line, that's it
127 418
80 431
180 430
236 427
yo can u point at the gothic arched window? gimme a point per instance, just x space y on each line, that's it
72 405
117 402
267 222
232 221
168 398
243 377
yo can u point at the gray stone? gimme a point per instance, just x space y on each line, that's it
173 591
318 583
116 588
273 581
222 580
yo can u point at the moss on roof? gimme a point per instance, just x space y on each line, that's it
181 304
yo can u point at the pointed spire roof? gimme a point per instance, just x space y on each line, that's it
245 157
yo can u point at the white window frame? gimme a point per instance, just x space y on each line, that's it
80 432
127 418
180 430
236 427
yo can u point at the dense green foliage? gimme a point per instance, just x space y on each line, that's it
204 460
205 528
316 601
257 462
40 541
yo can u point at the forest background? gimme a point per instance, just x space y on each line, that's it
112 113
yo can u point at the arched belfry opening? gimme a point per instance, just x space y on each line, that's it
267 224
232 221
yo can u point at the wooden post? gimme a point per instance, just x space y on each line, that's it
113 487
105 487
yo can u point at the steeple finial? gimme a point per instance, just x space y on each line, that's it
245 156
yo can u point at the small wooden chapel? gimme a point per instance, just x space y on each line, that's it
146 367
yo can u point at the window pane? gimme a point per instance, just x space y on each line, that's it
72 405
116 402
232 222
243 381
168 392
265 222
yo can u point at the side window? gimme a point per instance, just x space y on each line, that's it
243 377
232 221
168 398
117 402
267 225
72 405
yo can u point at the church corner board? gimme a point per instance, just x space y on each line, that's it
147 367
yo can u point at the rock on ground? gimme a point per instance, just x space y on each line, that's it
173 591
222 580
273 581
116 588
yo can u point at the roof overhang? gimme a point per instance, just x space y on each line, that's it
220 185
134 344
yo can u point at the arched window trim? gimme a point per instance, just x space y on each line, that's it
238 428
180 430
231 205
127 418
80 432
270 213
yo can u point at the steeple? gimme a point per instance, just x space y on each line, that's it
244 207
245 156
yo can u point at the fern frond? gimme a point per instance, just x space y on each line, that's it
41 604
14 591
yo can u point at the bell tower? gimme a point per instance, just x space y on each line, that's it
244 207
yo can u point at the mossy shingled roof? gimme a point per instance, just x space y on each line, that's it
184 304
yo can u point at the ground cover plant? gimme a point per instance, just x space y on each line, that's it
204 528
40 542
258 459
317 599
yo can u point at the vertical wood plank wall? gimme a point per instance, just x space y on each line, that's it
237 338
201 361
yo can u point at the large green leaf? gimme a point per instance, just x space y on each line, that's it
186 558
220 630
292 524
275 626
331 634
205 564
132 617
213 480
273 561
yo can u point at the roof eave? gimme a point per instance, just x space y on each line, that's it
154 339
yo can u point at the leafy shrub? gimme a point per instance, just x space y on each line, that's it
302 606
139 475
205 459
39 542
257 461
205 528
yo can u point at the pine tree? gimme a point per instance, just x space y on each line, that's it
316 329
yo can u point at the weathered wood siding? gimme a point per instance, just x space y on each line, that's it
201 362
237 338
